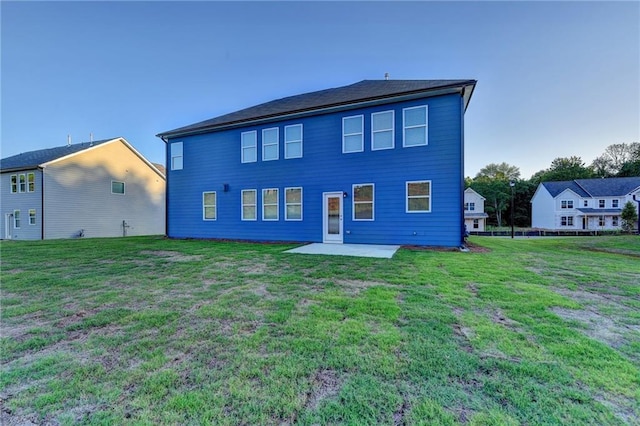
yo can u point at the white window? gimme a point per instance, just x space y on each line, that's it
249 204
418 196
353 134
601 204
31 182
32 216
270 142
614 221
470 206
414 126
23 183
615 204
585 203
566 221
363 201
566 204
600 220
209 205
117 187
249 146
176 156
14 184
476 224
293 203
270 204
16 219
382 130
293 141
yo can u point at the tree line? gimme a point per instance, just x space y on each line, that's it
493 180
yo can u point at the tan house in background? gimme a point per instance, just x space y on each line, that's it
94 189
474 216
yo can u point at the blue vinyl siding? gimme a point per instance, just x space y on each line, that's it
212 160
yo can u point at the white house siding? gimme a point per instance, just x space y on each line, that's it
542 209
78 194
22 201
471 196
570 198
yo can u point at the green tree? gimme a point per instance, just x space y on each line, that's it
502 171
565 168
629 217
614 159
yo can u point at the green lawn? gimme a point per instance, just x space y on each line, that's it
155 331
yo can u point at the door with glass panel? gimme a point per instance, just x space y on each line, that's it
332 217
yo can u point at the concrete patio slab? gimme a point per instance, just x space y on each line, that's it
359 250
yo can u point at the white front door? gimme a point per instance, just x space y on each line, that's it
8 226
332 217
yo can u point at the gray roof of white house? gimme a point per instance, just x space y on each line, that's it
363 91
33 159
588 188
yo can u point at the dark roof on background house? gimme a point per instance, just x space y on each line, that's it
606 187
339 97
32 159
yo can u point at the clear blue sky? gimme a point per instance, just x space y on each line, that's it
554 79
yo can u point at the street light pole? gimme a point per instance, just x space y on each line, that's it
512 184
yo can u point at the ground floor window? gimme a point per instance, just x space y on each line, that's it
32 216
16 219
209 202
363 201
600 220
418 196
249 204
476 224
566 221
270 204
293 203
615 221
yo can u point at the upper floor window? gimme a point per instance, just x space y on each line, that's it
249 146
470 206
585 203
32 216
566 204
16 219
418 196
14 184
270 204
23 183
293 203
270 142
293 141
414 126
363 200
249 204
117 187
353 134
31 182
176 156
382 130
209 205
601 204
615 203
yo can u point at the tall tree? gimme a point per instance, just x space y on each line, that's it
565 168
615 156
502 171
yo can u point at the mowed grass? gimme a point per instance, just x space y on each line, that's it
156 331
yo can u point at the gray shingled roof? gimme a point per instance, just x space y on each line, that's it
365 90
608 187
32 159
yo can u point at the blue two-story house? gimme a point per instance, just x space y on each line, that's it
375 162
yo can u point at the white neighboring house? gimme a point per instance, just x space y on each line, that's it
594 204
474 216
94 189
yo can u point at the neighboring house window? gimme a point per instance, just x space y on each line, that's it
566 221
414 126
418 197
363 200
16 219
293 203
176 156
14 184
23 183
270 142
270 204
469 206
585 203
209 205
117 187
31 182
249 204
476 224
353 134
293 141
382 130
32 216
600 220
566 204
614 221
249 146
601 204
615 204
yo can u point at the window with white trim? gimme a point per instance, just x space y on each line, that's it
270 204
31 182
117 187
32 216
566 221
615 221
363 201
16 219
585 203
566 204
176 156
615 203
14 184
293 141
601 221
601 204
469 206
293 203
249 204
249 142
22 182
476 223
209 207
382 130
353 134
414 122
418 196
270 142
